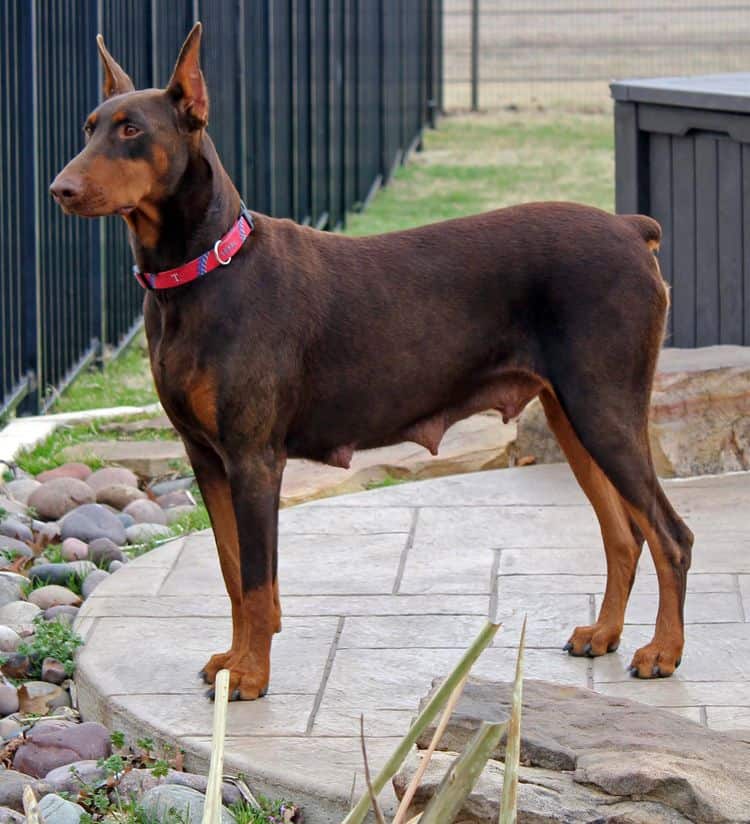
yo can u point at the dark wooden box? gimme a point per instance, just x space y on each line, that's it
682 155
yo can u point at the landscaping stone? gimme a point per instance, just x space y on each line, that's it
10 590
8 816
57 809
142 533
61 573
9 639
115 565
8 699
12 546
180 497
59 496
136 782
19 615
92 521
55 744
12 528
149 459
74 549
185 801
92 581
39 697
582 737
21 489
53 595
146 512
70 777
12 506
174 513
16 665
48 530
53 671
111 475
119 495
68 470
102 551
12 783
9 728
125 520
66 614
159 488
160 423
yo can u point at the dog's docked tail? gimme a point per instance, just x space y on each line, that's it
647 228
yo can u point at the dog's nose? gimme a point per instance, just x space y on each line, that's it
65 189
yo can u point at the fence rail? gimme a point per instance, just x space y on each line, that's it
313 105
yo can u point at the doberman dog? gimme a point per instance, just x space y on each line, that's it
311 344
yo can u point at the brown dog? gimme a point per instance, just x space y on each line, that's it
312 344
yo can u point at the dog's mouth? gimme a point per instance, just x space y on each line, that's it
125 210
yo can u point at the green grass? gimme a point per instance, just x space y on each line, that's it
125 381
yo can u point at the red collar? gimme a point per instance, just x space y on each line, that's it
221 255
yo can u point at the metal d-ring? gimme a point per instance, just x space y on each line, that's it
218 257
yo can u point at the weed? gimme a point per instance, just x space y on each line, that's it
52 639
118 739
53 553
389 480
270 812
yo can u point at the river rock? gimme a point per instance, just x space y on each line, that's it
125 520
114 566
70 777
53 671
142 533
9 639
119 495
10 728
146 512
74 549
92 581
61 573
180 497
12 506
12 547
21 489
53 595
159 488
68 470
48 530
102 552
631 753
13 528
57 809
59 496
12 783
53 744
185 801
66 614
8 816
8 699
19 615
92 521
39 697
175 513
10 590
16 665
111 476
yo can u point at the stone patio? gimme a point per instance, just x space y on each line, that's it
382 591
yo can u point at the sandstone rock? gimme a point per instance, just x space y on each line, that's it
142 533
69 470
92 521
54 744
102 552
146 512
55 498
9 639
149 459
13 528
57 809
111 475
92 581
630 752
119 495
53 595
185 801
18 615
21 489
39 697
74 549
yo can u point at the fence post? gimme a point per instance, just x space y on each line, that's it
31 346
475 55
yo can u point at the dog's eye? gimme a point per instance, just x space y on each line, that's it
88 129
129 130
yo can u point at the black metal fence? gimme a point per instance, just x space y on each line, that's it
313 105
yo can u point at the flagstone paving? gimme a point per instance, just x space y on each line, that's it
382 591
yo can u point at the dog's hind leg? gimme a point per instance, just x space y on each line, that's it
622 544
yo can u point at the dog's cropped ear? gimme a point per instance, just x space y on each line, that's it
187 88
116 80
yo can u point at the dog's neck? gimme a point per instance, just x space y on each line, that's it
187 224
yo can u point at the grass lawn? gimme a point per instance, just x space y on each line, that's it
470 164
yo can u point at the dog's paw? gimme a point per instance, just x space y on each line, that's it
244 685
593 641
656 660
214 664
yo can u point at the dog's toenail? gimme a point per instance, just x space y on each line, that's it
204 675
656 671
613 647
587 651
211 694
633 671
568 647
236 695
677 663
263 692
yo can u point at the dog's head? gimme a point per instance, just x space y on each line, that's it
137 142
